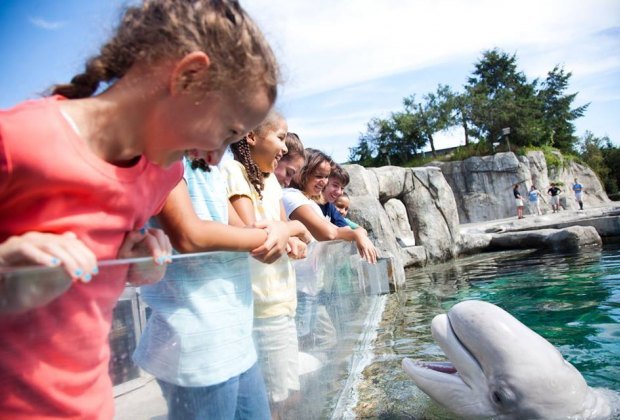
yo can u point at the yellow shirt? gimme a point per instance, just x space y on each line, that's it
273 284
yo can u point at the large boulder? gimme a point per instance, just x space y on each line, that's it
366 210
566 172
397 213
568 239
362 182
391 180
432 213
482 186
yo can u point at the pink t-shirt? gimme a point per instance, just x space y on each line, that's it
54 359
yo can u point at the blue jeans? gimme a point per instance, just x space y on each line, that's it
240 397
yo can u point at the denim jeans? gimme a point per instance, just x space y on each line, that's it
240 397
305 317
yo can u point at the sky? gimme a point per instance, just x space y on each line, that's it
345 62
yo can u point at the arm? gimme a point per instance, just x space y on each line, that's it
188 233
320 228
243 205
323 230
233 217
244 208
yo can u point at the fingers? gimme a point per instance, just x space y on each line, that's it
268 256
262 224
367 251
78 260
147 242
160 245
19 252
51 250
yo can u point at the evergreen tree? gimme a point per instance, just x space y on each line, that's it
501 97
558 117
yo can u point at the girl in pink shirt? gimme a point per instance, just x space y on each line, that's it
81 172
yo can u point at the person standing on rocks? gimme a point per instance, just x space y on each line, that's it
578 190
554 192
534 200
518 201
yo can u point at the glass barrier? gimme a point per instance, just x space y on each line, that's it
338 298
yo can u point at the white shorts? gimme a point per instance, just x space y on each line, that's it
519 202
555 200
578 196
278 354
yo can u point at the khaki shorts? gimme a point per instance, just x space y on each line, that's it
278 354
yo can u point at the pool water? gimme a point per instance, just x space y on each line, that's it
573 300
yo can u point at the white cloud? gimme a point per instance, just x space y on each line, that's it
343 60
45 24
324 44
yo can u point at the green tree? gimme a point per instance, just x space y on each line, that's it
611 157
501 97
461 107
592 154
434 114
557 115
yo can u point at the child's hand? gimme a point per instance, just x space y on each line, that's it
276 243
299 230
51 250
366 248
146 242
297 248
142 243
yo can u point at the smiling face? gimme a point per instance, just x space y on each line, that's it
209 123
268 144
333 190
287 168
342 205
318 179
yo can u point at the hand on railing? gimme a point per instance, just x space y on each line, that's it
297 248
51 250
299 230
142 243
276 243
365 247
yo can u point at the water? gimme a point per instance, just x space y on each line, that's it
571 300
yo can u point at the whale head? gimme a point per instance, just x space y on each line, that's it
500 368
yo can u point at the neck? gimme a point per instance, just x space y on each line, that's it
111 123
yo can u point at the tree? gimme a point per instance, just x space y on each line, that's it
558 117
501 97
611 158
604 158
461 108
592 155
366 153
433 114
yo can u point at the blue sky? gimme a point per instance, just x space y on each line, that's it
345 62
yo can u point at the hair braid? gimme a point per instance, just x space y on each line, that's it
242 153
168 29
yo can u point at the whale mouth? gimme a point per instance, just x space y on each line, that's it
461 367
441 367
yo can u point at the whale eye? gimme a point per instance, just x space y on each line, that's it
497 398
502 397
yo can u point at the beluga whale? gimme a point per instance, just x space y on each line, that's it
499 368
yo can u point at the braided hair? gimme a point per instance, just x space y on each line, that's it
242 153
162 29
